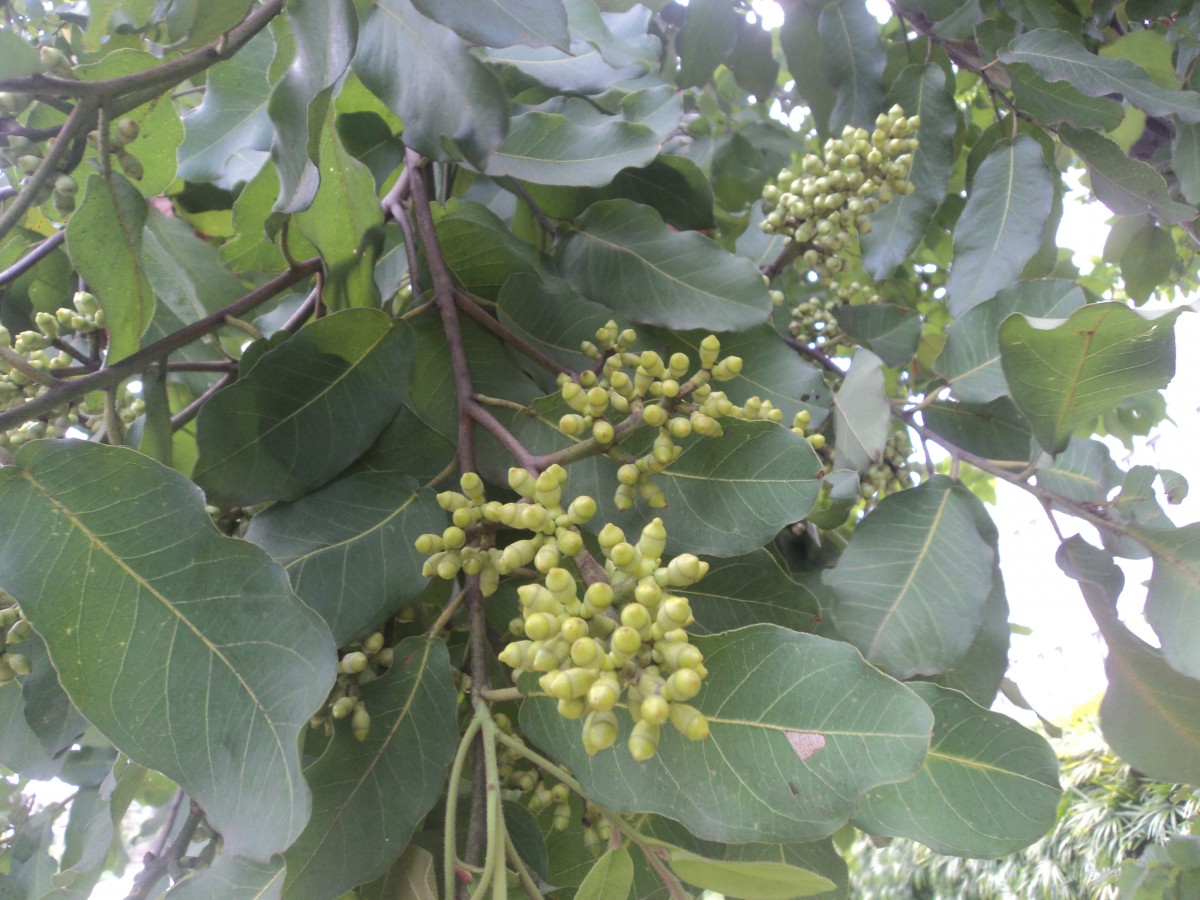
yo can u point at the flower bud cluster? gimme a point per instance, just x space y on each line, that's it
624 637
630 388
894 471
813 320
14 628
361 663
829 201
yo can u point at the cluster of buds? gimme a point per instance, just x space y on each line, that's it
813 320
362 663
629 389
829 201
13 629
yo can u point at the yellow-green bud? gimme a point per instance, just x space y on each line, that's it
655 709
599 731
689 721
643 741
360 722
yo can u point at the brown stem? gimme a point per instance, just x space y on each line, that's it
156 866
192 410
33 257
467 304
814 354
496 429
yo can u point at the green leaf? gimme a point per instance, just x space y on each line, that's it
104 239
348 547
995 430
989 785
1053 103
707 39
970 361
325 34
1127 186
1001 227
425 74
233 116
232 878
208 622
674 186
611 878
982 668
307 409
1064 373
751 62
17 56
1185 161
898 227
747 590
482 252
800 728
48 709
892 332
344 223
20 749
910 588
369 796
191 23
861 414
621 254
759 880
853 60
583 147
415 873
502 23
1151 713
1084 471
802 45
1057 56
1174 594
1147 262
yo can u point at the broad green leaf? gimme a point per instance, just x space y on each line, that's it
256 244
206 623
970 361
989 785
800 728
348 547
801 42
413 877
527 836
232 878
1083 471
307 409
407 446
233 115
1185 161
581 149
995 430
862 415
1063 373
1173 600
1057 56
621 254
611 878
104 239
853 60
345 223
747 590
1151 713
17 56
898 227
425 74
1135 510
369 796
502 23
751 62
481 251
325 34
759 880
191 23
707 39
981 670
1147 262
20 749
1053 103
48 709
892 332
1001 227
674 186
910 588
1127 186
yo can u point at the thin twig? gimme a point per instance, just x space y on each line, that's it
542 219
303 313
165 834
156 866
496 429
190 411
447 614
468 305
812 353
40 251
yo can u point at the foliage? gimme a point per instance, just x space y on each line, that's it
476 451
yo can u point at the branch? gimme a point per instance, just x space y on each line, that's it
814 354
543 359
40 251
156 866
67 391
496 429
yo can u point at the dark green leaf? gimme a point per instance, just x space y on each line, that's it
674 186
306 411
369 796
750 880
104 239
1185 161
1057 56
425 74
1063 373
892 332
801 42
502 23
1083 471
191 23
910 588
48 709
1001 227
208 622
20 749
611 878
481 251
989 785
853 60
747 590
1053 103
621 254
800 727
1174 594
1147 262
348 548
898 227
707 39
17 56
981 670
861 414
232 878
751 61
995 430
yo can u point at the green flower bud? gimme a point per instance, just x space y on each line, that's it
655 415
689 721
569 542
353 663
599 731
360 722
342 707
625 641
514 654
610 535
683 684
643 741
655 709
541 626
603 432
599 594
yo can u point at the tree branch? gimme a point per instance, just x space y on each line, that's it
543 359
40 251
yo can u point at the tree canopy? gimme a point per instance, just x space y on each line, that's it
541 447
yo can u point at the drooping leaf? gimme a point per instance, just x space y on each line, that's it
1083 471
191 23
413 877
307 409
910 588
751 62
1147 262
502 23
48 709
1001 227
747 590
481 252
989 785
1063 373
1174 594
104 239
800 728
861 413
1053 103
1057 56
348 547
853 60
425 74
370 795
621 254
207 624
707 39
758 880
995 430
898 227
611 878
892 332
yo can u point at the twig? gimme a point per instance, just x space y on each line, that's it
496 429
165 835
544 220
156 866
303 312
192 410
468 305
447 613
33 257
814 354
21 364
